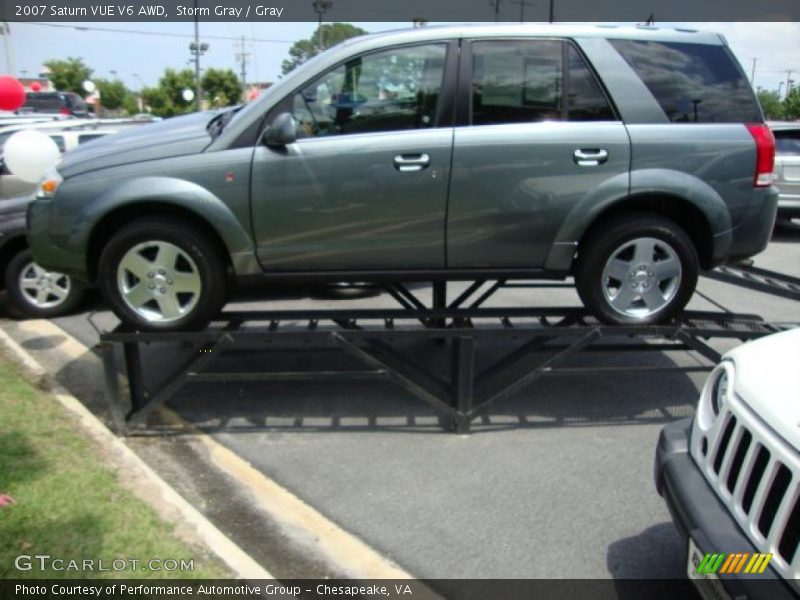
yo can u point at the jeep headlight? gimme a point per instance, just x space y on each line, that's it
715 395
719 391
49 184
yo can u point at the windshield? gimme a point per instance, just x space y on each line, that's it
219 121
256 106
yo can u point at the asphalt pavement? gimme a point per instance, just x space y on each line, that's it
557 482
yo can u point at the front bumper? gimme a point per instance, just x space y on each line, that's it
699 514
46 249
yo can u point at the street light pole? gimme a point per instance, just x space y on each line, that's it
196 57
321 7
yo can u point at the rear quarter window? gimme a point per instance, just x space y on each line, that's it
693 83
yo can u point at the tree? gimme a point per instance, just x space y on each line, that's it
112 93
792 104
166 100
332 34
771 105
69 75
222 87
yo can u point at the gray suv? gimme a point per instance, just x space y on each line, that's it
627 157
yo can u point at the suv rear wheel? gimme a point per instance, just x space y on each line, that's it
636 268
162 275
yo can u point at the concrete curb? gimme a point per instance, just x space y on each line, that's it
122 457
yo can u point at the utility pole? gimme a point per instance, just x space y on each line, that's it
552 10
5 31
242 56
196 48
789 82
753 73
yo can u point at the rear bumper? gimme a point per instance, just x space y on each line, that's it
754 231
699 514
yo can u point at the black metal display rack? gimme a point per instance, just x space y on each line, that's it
459 327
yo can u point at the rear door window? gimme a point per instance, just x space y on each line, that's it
528 81
693 83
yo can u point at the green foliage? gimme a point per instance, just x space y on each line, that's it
166 100
222 87
792 104
130 104
68 75
332 34
112 93
771 105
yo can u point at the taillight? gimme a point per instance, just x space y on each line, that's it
765 153
64 111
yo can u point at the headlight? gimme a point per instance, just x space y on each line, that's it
49 184
721 389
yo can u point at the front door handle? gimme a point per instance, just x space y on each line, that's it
590 158
408 163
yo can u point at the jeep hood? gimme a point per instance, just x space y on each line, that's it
171 137
768 380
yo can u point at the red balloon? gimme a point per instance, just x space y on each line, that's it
12 93
36 86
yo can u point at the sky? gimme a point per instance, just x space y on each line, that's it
140 58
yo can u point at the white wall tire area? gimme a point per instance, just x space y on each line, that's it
636 269
39 293
162 275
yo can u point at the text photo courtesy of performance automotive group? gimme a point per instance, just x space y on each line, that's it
491 300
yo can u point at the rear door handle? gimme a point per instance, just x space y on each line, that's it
408 163
590 158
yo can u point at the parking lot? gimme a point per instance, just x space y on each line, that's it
555 483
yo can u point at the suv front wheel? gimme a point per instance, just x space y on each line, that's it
162 274
636 269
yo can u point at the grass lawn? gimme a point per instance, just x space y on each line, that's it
68 502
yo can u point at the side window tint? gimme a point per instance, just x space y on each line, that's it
516 81
585 99
693 83
387 91
523 81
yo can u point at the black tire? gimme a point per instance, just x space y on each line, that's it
603 243
45 307
208 261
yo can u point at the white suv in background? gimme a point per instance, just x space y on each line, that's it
731 475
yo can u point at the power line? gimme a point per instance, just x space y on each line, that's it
152 33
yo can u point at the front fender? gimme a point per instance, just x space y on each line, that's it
644 185
81 218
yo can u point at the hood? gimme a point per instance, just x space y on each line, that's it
768 380
171 137
15 205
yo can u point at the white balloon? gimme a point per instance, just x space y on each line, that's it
29 154
89 86
188 95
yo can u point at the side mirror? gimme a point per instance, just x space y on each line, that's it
282 131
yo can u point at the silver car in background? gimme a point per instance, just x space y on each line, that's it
787 168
